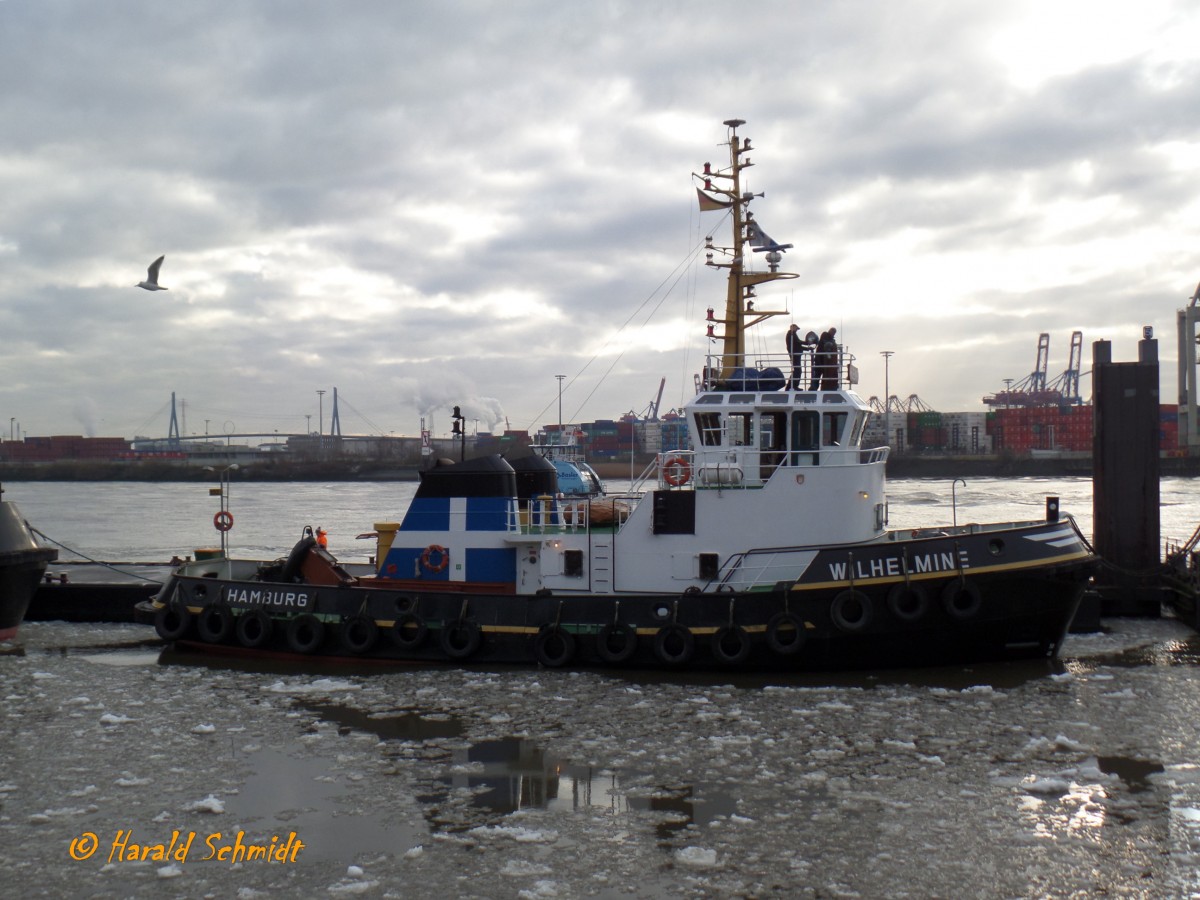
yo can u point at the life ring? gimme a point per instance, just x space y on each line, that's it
305 633
908 602
731 645
172 621
615 643
223 520
409 631
674 644
359 633
851 611
254 628
215 623
961 599
677 471
460 639
554 646
443 558
786 634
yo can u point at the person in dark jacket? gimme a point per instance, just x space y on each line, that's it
796 348
825 365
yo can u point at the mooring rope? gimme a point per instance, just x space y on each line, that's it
88 558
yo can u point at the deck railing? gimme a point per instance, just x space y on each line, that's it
775 371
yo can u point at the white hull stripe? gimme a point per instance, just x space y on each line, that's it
1062 538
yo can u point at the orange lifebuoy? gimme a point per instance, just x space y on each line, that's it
223 520
443 558
677 471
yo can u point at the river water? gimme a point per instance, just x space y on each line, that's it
1077 778
155 521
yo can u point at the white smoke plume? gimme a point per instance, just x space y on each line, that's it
85 412
437 397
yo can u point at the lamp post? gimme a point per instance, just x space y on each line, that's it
560 381
320 412
887 397
223 520
11 427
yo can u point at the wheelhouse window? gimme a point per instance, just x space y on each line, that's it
708 426
772 433
805 430
856 432
833 427
740 429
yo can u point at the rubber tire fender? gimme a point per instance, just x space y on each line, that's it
609 635
172 621
215 622
729 634
952 595
843 608
359 633
305 633
254 628
908 602
674 644
409 631
291 568
461 638
554 646
783 623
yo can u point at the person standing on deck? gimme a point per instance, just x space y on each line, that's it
818 365
796 348
825 366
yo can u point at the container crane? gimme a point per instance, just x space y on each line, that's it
1067 384
1034 390
652 409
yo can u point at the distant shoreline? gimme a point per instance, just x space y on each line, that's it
907 466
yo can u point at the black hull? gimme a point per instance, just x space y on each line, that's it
996 617
89 602
20 573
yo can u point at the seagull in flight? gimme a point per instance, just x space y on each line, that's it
151 282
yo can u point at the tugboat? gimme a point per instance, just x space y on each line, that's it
22 563
576 478
765 546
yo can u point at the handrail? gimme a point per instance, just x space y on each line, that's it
710 378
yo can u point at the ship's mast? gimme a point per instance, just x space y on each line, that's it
740 314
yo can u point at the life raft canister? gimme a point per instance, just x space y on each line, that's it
442 558
677 471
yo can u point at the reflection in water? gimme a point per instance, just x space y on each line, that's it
1089 804
1177 652
1184 839
402 725
506 775
1135 773
284 794
488 780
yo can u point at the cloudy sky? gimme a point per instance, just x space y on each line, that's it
423 204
